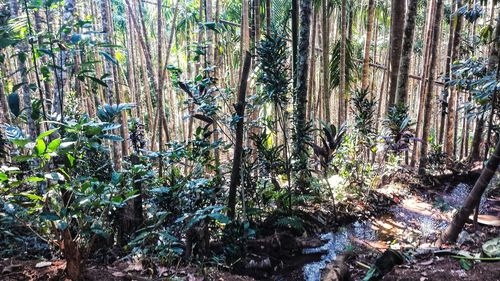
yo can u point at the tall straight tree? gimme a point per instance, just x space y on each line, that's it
301 91
452 102
343 47
325 33
404 66
398 8
436 27
295 39
365 82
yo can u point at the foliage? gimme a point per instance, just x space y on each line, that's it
399 133
364 111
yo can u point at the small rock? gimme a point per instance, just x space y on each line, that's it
43 264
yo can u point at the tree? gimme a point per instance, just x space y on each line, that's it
300 150
452 102
238 145
343 45
404 66
365 83
325 35
397 26
430 86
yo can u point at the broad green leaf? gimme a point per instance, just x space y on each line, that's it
35 179
40 146
45 134
54 145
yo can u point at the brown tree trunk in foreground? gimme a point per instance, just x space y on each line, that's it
238 145
451 233
72 256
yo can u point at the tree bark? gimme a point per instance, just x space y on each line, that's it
365 82
397 26
238 145
301 91
325 33
343 46
430 86
452 102
404 66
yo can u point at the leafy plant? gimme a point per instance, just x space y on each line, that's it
399 133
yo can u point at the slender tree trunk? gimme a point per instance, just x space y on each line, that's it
325 32
238 145
452 102
404 66
295 39
300 153
365 82
343 46
430 86
425 78
397 26
23 72
475 153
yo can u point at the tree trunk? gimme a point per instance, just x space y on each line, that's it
300 152
325 32
342 82
23 71
295 39
404 66
425 78
238 145
365 82
452 102
397 26
451 233
475 153
430 86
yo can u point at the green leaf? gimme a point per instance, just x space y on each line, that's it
45 134
53 145
40 147
4 177
35 179
465 264
30 196
71 159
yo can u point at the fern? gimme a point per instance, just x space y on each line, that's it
290 222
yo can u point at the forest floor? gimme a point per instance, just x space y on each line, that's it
408 218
